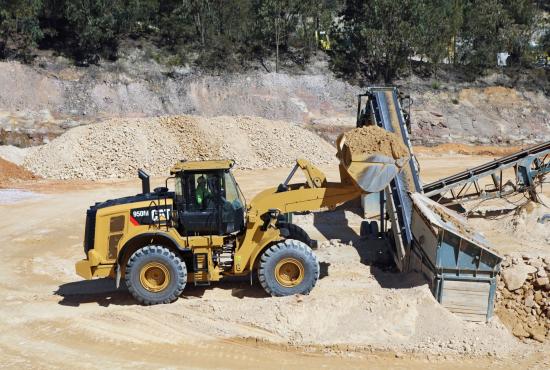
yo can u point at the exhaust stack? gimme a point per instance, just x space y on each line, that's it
145 183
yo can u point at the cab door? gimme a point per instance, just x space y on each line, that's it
199 206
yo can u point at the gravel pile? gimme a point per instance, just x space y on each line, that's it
117 148
523 302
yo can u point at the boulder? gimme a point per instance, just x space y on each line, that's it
539 298
542 281
529 301
519 331
536 263
515 276
538 333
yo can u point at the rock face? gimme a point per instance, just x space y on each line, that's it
480 115
38 103
134 87
523 302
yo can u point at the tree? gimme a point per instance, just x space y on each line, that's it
93 24
483 33
520 31
19 26
436 29
278 19
137 17
373 39
545 42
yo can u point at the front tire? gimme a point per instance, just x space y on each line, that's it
288 267
155 275
297 233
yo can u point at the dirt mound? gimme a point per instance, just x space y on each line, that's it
355 306
11 173
117 148
373 139
523 299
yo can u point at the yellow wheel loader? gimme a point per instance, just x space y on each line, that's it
202 230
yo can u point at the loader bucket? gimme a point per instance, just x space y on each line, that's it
372 172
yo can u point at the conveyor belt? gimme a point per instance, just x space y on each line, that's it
491 168
383 109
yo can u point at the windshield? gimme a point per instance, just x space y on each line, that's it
232 193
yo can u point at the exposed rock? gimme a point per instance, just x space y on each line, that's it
519 331
542 281
538 333
40 103
516 276
524 310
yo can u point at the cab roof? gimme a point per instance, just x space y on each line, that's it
223 164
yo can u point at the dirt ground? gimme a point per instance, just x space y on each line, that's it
358 315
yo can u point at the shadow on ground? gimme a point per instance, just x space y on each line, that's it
101 291
373 252
104 292
333 225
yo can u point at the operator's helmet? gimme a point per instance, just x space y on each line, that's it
201 180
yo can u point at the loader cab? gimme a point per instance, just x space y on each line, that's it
207 199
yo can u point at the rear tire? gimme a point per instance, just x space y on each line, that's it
155 275
288 267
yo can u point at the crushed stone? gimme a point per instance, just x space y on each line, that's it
525 307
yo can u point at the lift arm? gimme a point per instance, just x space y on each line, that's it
314 194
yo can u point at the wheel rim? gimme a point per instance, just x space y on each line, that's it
289 272
154 276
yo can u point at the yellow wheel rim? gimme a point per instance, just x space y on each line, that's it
154 276
289 272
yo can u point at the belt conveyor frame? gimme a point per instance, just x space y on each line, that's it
529 165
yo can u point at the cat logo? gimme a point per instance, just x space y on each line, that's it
150 215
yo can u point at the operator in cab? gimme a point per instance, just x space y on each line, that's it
201 192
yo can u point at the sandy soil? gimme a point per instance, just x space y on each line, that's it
11 173
52 319
375 140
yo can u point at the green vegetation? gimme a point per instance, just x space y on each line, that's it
369 39
379 38
19 28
